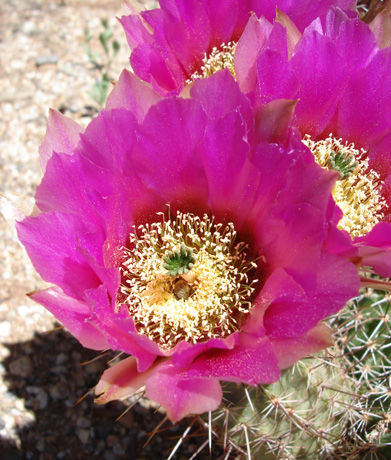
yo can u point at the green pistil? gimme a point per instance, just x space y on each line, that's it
342 163
180 261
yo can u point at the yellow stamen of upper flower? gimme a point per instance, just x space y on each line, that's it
219 59
357 192
208 301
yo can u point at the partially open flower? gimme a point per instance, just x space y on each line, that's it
189 39
191 234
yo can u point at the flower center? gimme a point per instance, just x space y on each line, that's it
186 279
219 59
357 192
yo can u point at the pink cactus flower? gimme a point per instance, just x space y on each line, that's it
341 80
173 44
191 234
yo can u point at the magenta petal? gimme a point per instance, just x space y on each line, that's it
136 29
281 291
253 38
65 186
353 38
375 249
109 140
74 315
181 396
186 352
91 248
126 326
335 282
290 235
117 219
132 94
269 64
292 34
321 71
189 36
52 244
277 170
226 162
305 11
149 65
380 161
62 136
119 381
157 57
273 121
340 242
119 339
290 350
363 115
107 151
223 17
252 362
220 94
167 154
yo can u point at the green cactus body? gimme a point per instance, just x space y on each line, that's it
298 417
333 406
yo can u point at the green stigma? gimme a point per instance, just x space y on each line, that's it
180 261
342 163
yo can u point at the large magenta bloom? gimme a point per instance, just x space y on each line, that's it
169 44
200 182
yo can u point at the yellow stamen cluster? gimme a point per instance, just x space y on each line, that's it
357 194
219 59
218 285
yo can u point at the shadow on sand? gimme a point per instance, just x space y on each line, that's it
46 372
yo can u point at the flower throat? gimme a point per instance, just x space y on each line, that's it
187 279
219 59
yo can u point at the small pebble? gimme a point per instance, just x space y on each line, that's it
83 435
83 422
59 391
22 367
42 400
58 370
40 445
118 450
109 455
28 27
5 328
43 60
62 358
112 440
